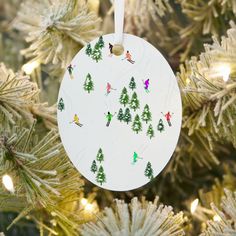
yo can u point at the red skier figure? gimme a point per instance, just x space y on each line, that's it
168 116
128 57
109 88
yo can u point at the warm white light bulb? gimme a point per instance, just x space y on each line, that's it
216 218
29 67
89 207
225 72
84 201
194 205
8 183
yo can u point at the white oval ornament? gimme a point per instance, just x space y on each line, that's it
119 117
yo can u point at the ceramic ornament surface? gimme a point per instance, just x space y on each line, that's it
119 117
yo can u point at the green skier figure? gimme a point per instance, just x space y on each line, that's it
135 158
109 117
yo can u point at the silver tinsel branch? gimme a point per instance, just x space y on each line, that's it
136 219
226 223
56 29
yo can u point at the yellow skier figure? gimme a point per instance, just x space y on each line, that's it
76 120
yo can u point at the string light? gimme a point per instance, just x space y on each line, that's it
194 205
89 207
8 183
29 67
216 218
84 201
224 70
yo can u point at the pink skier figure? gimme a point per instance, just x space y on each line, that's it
128 57
168 116
109 88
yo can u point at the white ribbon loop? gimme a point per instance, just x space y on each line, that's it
119 8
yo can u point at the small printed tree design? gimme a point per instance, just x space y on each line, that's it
94 167
146 115
134 102
120 115
149 171
124 97
132 84
97 54
61 105
160 126
127 116
88 84
150 131
101 42
89 50
137 125
101 177
100 156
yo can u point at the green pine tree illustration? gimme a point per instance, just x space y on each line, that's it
160 126
137 125
97 53
88 84
150 131
149 171
132 84
124 97
101 177
127 118
120 115
88 50
94 167
101 42
100 155
61 105
134 102
146 115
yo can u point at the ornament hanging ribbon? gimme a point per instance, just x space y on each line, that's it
119 8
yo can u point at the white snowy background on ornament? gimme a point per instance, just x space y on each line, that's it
119 141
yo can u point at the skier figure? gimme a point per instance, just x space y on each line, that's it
128 57
136 157
109 117
109 88
70 70
146 85
110 48
168 117
76 120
